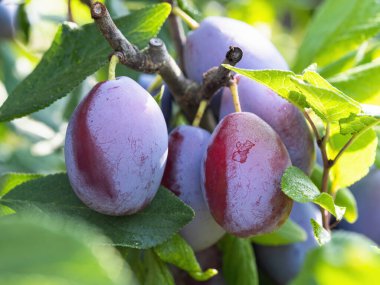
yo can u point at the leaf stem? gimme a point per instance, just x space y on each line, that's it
200 112
314 128
325 176
235 95
185 17
157 82
112 67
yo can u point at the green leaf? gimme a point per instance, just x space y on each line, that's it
356 160
165 215
308 90
288 233
345 198
179 253
339 26
8 181
239 264
39 249
360 83
5 211
326 201
75 54
299 187
355 124
321 235
157 271
349 259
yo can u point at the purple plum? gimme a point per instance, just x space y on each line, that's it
206 47
116 148
241 175
7 20
282 263
187 145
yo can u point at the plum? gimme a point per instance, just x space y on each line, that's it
282 263
367 194
7 20
116 147
241 175
220 33
187 145
145 80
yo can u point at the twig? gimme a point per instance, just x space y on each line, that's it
156 59
69 12
325 176
313 127
177 33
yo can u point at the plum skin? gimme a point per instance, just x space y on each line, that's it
116 148
8 20
283 263
367 194
258 53
241 175
187 145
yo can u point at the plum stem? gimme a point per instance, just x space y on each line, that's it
112 67
201 110
235 95
186 18
156 83
156 59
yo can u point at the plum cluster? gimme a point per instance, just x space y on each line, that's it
118 150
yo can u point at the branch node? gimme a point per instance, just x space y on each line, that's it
98 10
234 55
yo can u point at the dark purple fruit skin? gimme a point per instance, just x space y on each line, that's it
116 148
258 53
145 80
367 194
7 20
282 263
182 176
241 175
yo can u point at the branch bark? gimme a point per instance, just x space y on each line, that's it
156 59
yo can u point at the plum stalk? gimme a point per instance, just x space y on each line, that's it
156 59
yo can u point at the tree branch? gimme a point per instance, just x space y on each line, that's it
156 59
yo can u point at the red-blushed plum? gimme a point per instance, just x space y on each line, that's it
367 194
207 46
187 145
241 176
116 147
145 80
7 20
282 263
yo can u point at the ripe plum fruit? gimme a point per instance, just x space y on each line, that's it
116 147
259 53
282 263
241 176
7 20
367 194
187 145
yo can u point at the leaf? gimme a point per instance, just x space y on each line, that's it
8 181
309 90
288 233
356 160
5 211
360 83
345 198
326 201
157 271
154 225
179 253
321 235
75 54
339 26
355 124
299 187
239 264
349 259
50 250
